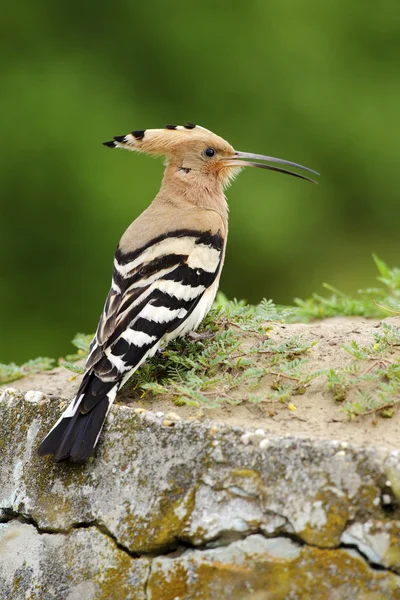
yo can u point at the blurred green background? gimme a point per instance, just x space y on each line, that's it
314 82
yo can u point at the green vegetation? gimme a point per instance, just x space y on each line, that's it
371 365
82 342
12 372
235 358
239 355
373 302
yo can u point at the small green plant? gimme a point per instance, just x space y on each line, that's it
82 342
371 364
12 372
337 383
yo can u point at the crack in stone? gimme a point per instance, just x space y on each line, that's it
178 547
373 565
7 515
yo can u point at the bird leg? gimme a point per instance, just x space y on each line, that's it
193 336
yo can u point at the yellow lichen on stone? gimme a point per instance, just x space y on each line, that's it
112 581
163 526
326 519
312 574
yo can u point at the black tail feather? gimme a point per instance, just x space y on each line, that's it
75 436
74 430
90 426
52 441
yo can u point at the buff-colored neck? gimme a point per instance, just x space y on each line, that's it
182 187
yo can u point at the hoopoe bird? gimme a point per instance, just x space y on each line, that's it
166 273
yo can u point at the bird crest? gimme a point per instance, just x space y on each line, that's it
172 139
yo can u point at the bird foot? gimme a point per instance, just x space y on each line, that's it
193 336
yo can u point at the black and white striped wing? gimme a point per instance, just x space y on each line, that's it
158 292
155 292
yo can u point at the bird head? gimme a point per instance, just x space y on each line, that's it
192 149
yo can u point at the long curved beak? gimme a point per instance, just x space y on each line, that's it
235 161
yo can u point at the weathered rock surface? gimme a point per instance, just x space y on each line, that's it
194 511
78 565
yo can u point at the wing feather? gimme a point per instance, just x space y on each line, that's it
152 294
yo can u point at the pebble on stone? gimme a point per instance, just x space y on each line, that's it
34 396
171 416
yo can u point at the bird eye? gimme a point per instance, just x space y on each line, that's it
209 152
